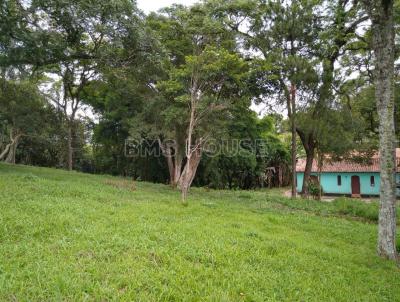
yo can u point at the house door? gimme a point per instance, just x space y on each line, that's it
355 186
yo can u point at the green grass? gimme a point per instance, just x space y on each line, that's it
76 237
341 206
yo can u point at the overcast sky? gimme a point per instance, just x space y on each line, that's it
154 5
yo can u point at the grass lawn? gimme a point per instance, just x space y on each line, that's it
76 237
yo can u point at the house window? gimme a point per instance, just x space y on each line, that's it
372 181
339 180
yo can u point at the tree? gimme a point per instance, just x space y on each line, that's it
67 40
90 29
363 107
22 109
280 33
203 86
336 133
381 13
201 77
298 44
251 155
177 28
118 99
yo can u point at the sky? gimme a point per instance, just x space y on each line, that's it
154 5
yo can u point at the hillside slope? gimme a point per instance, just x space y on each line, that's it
73 237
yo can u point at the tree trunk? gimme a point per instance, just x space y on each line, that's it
174 161
5 151
12 151
307 171
70 149
309 144
193 155
320 166
189 172
294 135
171 170
383 46
177 170
291 108
280 176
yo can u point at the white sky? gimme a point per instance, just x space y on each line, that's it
154 5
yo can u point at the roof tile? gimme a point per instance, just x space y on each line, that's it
348 165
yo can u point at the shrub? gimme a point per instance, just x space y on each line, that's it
314 190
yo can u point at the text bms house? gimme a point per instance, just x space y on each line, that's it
348 177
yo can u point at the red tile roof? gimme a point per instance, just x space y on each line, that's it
347 165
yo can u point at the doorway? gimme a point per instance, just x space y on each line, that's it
355 186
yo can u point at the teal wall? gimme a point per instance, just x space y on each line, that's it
330 184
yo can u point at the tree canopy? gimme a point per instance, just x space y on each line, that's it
183 82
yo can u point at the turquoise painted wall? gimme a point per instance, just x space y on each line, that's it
330 185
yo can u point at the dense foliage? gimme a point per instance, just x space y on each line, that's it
80 78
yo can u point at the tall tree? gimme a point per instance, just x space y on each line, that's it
67 40
92 30
202 76
381 13
300 44
206 85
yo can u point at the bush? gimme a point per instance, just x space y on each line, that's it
314 190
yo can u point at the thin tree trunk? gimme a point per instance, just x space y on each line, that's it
307 171
177 169
383 46
5 151
7 148
12 151
280 177
70 149
10 155
171 170
167 152
291 108
320 166
294 146
193 156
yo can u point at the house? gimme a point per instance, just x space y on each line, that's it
348 177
